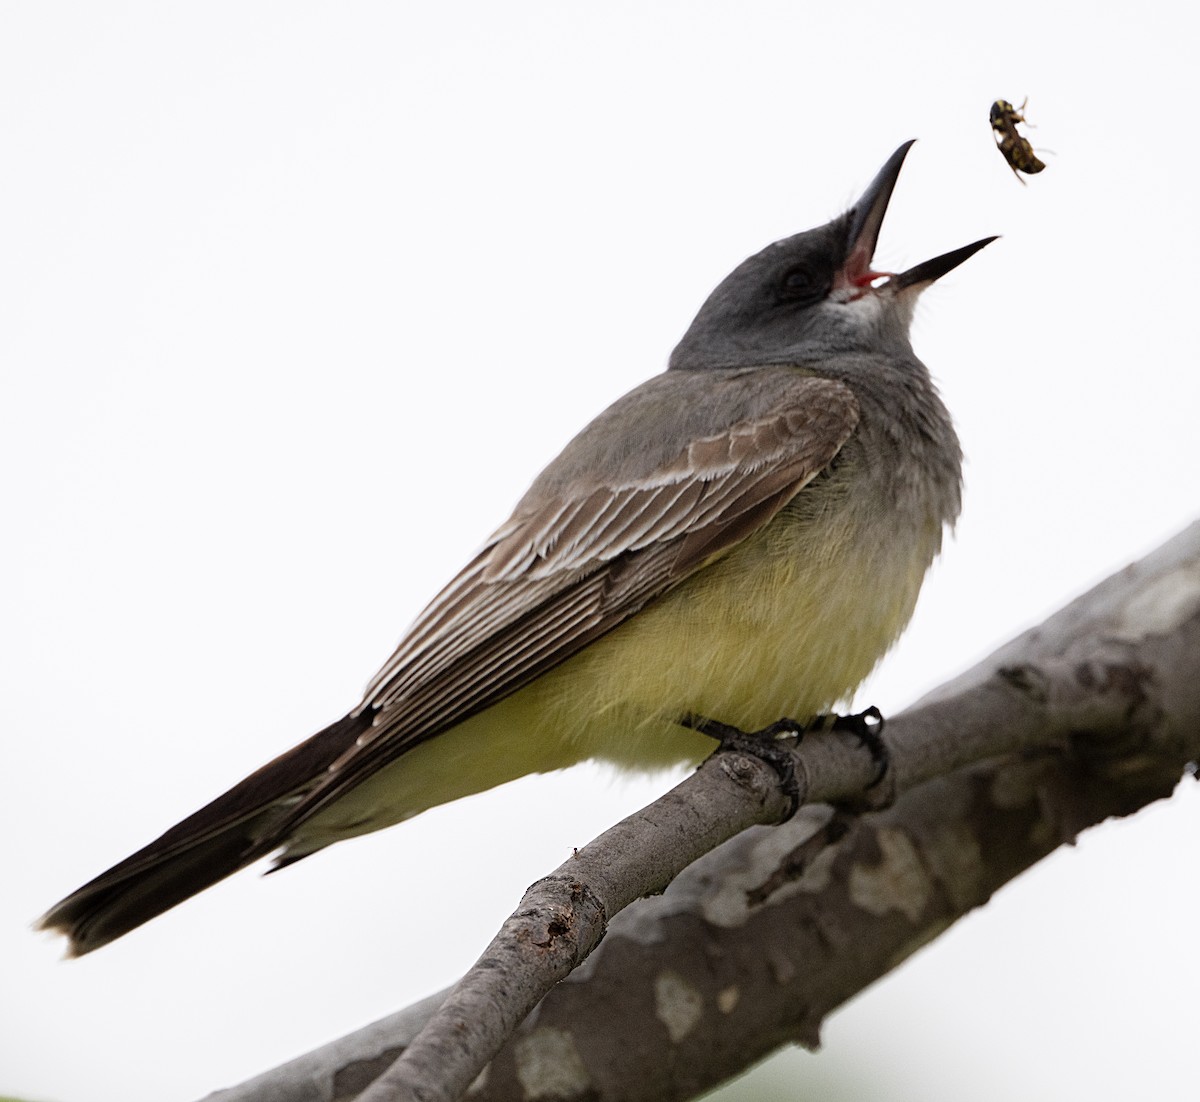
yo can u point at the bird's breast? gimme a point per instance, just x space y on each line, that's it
787 624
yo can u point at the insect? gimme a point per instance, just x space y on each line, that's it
1012 144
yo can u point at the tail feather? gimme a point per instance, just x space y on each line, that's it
207 846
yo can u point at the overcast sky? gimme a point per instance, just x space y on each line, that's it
296 298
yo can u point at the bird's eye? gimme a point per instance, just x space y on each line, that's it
803 283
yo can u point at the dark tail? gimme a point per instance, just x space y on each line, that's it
206 847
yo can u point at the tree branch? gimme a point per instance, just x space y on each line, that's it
1094 713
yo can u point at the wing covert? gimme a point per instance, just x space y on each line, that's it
572 564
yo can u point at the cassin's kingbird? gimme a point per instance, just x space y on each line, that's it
740 538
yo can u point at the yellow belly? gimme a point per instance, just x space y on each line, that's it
784 625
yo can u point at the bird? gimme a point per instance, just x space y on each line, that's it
739 538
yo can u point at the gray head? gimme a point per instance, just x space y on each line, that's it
815 293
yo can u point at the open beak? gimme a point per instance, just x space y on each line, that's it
866 220
921 275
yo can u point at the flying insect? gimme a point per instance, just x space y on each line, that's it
1013 145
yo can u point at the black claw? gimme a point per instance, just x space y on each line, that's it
867 727
762 744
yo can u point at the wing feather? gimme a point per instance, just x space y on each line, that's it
572 564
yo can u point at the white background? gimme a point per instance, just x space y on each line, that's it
296 298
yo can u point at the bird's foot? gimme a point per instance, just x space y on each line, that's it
765 744
867 727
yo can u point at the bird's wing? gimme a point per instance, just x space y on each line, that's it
572 565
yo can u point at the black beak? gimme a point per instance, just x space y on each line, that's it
866 216
866 219
933 269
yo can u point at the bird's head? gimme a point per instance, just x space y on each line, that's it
815 293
